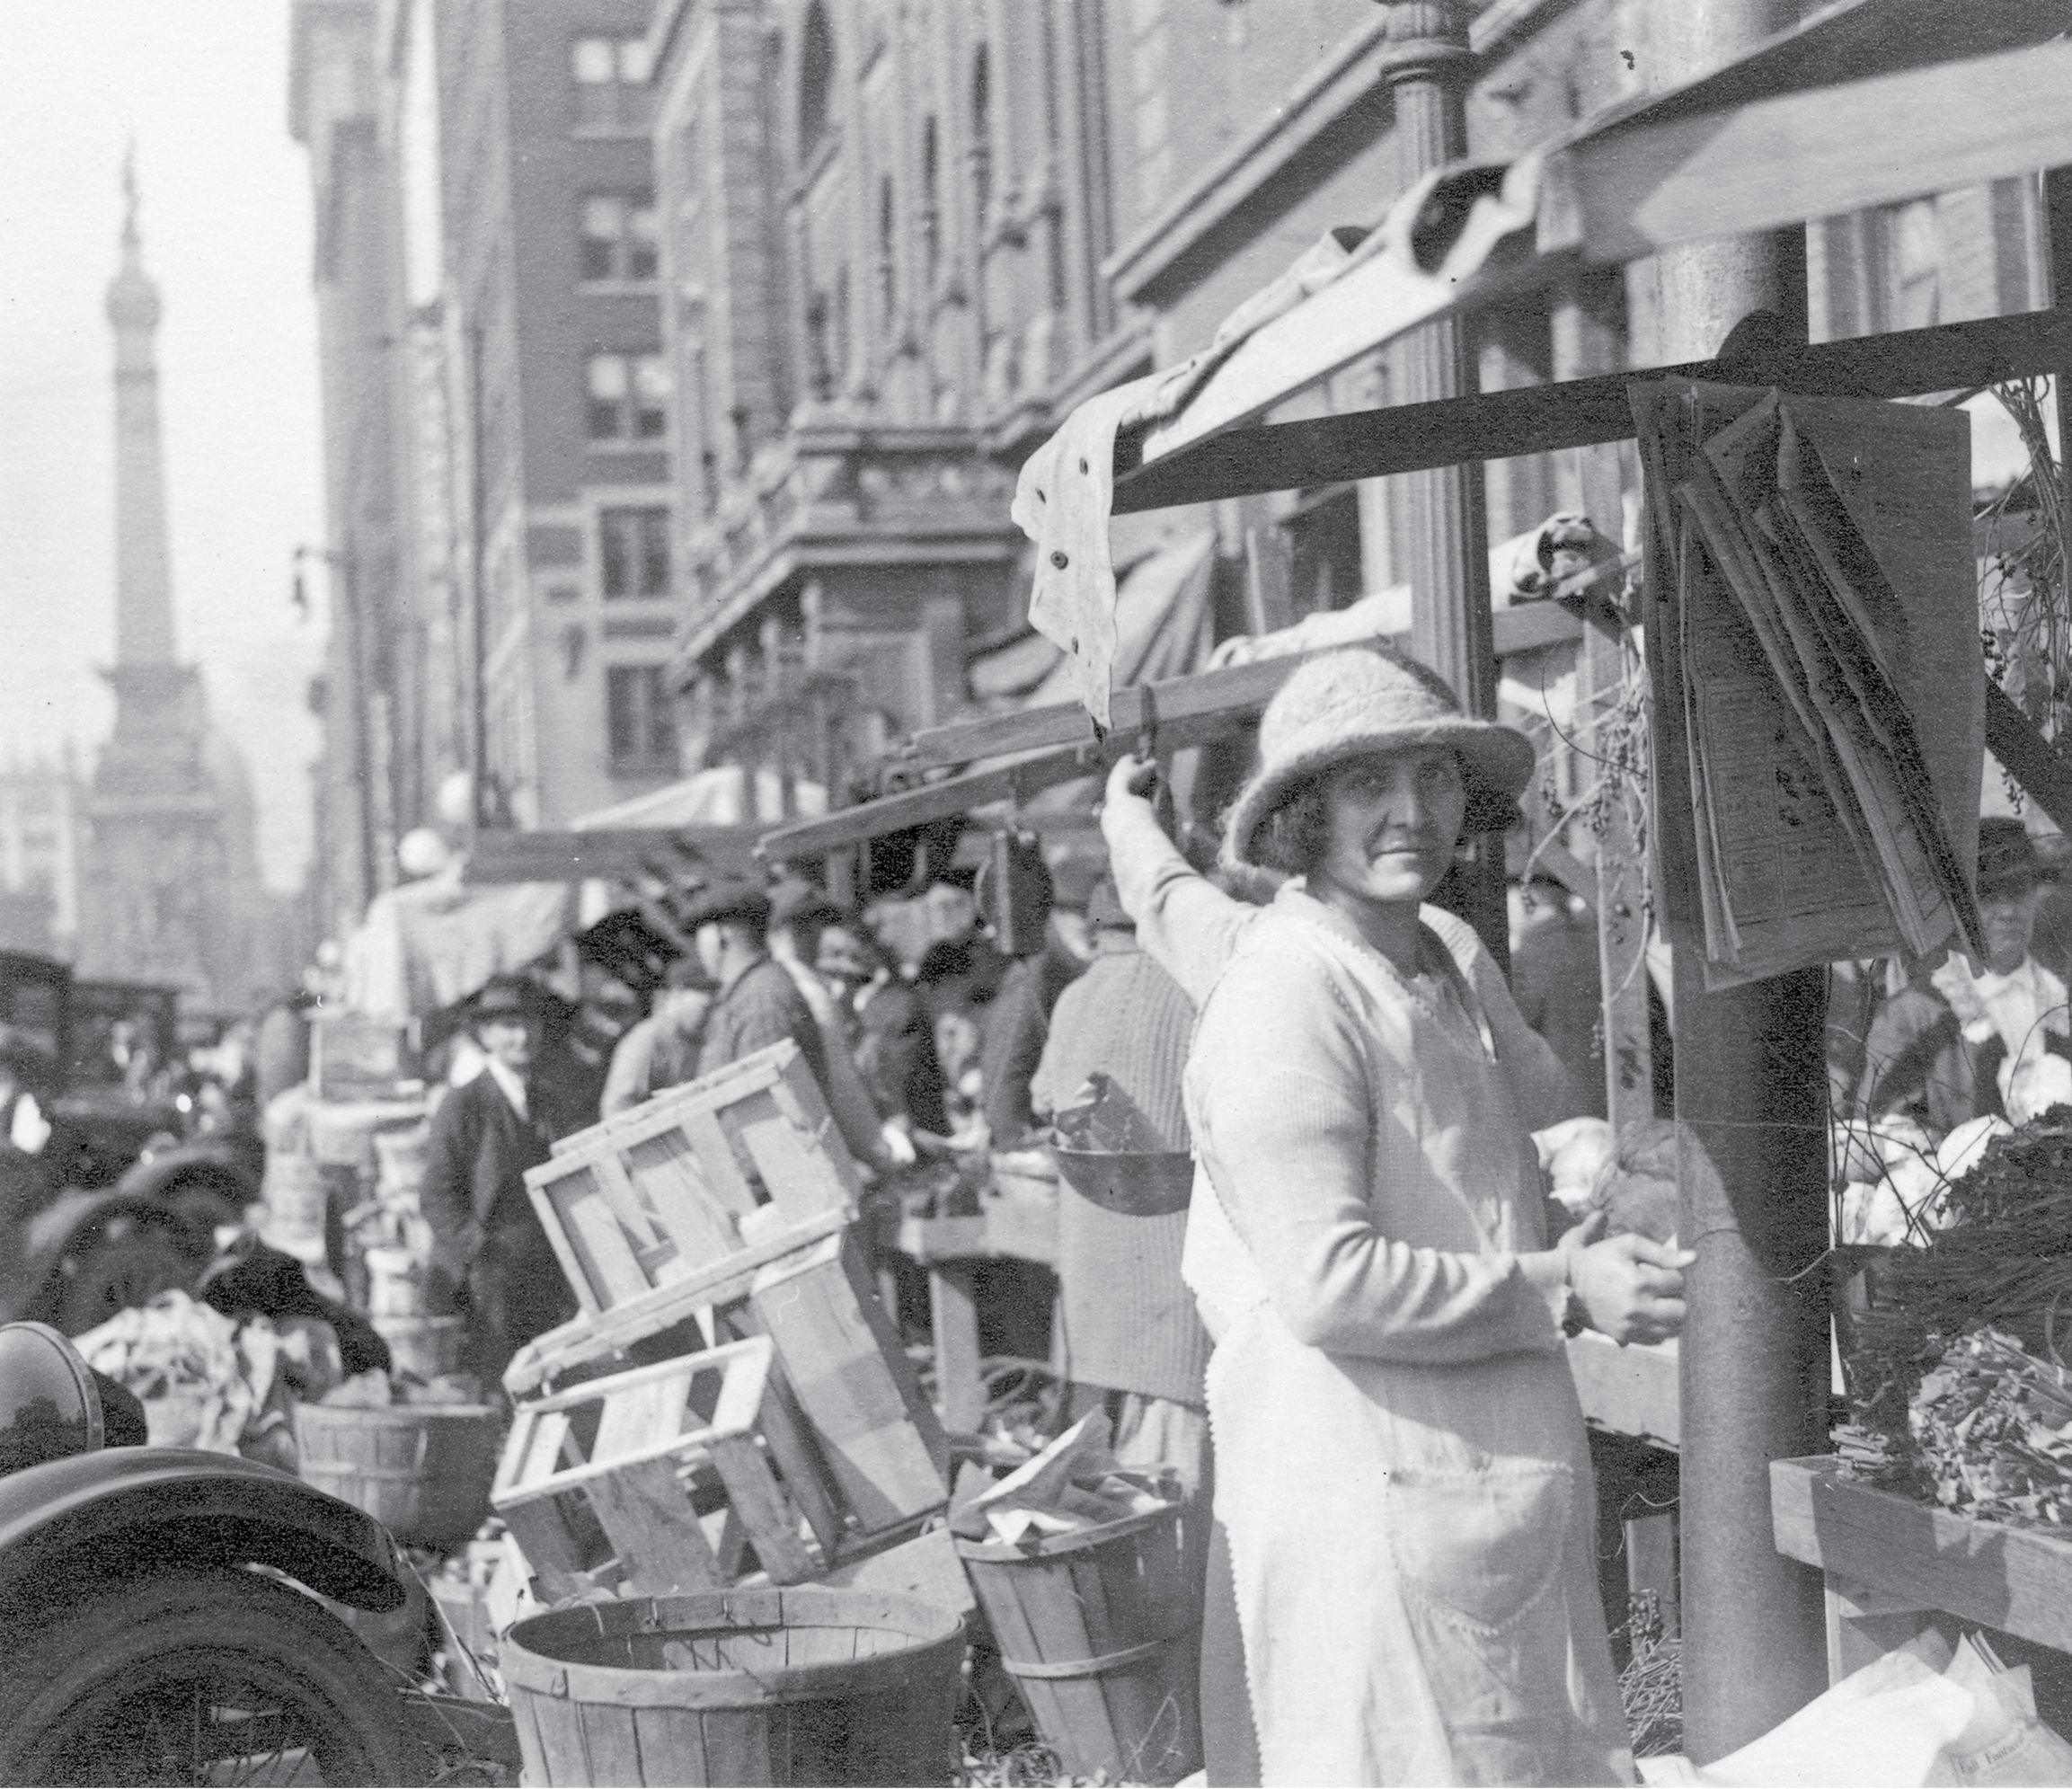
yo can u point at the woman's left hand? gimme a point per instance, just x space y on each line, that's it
1632 1287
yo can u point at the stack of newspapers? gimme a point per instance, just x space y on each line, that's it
1812 627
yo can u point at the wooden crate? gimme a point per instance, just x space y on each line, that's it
842 1356
672 1208
628 1494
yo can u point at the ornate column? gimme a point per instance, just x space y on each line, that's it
1439 515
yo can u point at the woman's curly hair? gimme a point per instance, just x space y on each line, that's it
1292 839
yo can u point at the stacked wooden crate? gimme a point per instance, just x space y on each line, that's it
718 1210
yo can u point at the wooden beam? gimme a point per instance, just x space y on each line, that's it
618 854
2031 760
1059 741
1776 160
1237 689
1577 413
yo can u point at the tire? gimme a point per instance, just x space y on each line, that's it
200 1676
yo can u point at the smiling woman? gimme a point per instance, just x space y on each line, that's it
1367 1246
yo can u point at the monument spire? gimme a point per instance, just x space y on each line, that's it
143 570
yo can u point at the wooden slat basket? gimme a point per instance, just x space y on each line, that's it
1097 1628
749 1687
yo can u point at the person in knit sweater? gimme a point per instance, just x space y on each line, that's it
1401 1470
1128 1333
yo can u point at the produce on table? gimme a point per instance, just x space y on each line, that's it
1992 1431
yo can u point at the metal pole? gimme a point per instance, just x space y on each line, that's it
1751 1141
478 592
1440 514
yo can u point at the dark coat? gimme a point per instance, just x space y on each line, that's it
762 1006
896 1052
1017 1026
487 1244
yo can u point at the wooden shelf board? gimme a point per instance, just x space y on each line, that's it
2018 1581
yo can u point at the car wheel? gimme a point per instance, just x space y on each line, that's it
212 1675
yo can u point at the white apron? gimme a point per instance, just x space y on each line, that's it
1414 1545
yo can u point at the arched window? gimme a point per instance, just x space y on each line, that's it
931 201
816 77
981 135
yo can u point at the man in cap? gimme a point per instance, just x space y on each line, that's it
488 1246
800 916
757 1004
662 1049
1955 1045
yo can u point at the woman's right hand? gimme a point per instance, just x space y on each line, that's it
1632 1287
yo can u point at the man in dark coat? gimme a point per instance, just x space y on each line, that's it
759 1003
488 1245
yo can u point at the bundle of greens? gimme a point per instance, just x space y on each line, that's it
2004 1255
1992 1431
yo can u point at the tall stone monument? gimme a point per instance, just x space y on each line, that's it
173 890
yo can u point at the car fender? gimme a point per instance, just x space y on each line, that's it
61 1225
206 1163
123 1509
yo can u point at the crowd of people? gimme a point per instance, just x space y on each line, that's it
1292 1108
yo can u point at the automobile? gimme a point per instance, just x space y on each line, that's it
160 1609
128 1196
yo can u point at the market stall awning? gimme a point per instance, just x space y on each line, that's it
428 944
1869 103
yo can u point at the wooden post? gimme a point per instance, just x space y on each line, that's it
1751 1149
1586 343
1439 513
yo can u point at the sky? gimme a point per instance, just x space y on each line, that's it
202 85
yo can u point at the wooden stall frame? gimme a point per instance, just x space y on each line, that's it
1858 101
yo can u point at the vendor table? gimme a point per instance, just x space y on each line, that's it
1891 1564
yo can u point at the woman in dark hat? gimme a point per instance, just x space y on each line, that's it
1402 1468
489 1248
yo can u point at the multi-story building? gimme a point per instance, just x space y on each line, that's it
565 406
42 826
394 694
497 412
901 238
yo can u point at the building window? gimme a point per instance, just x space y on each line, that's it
931 203
981 138
633 553
640 719
887 256
612 94
816 78
627 398
619 239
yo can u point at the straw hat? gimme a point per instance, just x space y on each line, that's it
1354 703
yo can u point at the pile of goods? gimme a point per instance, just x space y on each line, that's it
1074 1483
1651 1685
1950 1354
207 1381
1895 1181
1992 1431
